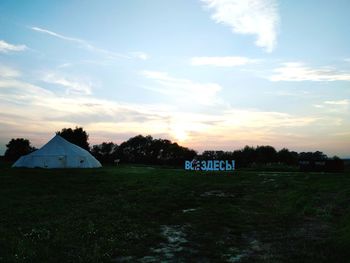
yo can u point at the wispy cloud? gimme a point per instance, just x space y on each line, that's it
24 108
286 93
7 47
335 106
42 30
222 61
254 17
184 89
140 55
16 91
72 85
337 102
81 43
8 72
250 118
296 71
78 63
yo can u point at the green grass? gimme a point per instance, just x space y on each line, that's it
136 214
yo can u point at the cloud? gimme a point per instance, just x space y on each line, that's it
222 61
27 110
36 112
286 93
8 72
253 17
140 55
15 93
72 85
230 125
14 90
337 102
183 90
81 43
297 71
59 35
7 47
32 111
78 63
335 106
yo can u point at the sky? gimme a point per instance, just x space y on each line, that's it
208 74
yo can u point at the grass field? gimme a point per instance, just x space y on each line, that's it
147 214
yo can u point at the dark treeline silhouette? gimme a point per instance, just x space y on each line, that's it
249 155
147 150
262 155
143 150
330 165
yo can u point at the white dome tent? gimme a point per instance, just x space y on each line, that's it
58 153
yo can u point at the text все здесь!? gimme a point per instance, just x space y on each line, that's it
210 165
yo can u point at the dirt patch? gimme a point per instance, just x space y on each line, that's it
279 174
266 180
216 193
170 250
189 210
253 248
275 246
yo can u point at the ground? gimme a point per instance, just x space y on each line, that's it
154 214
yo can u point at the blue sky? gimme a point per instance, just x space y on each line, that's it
211 74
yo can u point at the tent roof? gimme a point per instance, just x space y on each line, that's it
60 146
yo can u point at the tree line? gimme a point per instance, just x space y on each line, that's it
147 150
263 155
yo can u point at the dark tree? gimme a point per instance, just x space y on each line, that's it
312 156
105 152
287 157
212 155
77 136
146 150
248 155
17 148
265 154
136 149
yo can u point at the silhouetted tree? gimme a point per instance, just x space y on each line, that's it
146 150
158 150
77 136
265 154
335 164
179 154
135 149
287 157
247 155
17 148
312 156
212 155
105 152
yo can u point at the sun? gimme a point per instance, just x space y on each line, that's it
180 133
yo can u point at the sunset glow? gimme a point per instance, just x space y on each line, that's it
208 74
